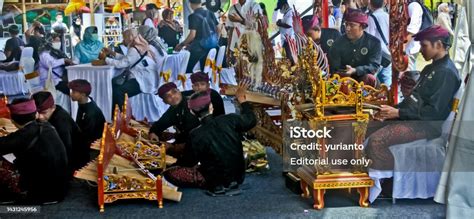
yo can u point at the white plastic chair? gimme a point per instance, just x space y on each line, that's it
174 69
151 106
181 77
418 164
210 62
208 66
27 66
216 72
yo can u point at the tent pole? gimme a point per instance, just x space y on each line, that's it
92 3
23 8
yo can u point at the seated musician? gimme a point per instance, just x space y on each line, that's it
356 54
68 130
216 145
90 118
178 116
325 37
41 160
423 111
201 83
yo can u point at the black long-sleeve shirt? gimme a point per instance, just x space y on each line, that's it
364 54
76 148
90 120
217 145
178 116
328 37
40 159
432 98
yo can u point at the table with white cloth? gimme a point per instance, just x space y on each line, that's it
13 83
100 78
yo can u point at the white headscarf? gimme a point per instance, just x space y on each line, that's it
442 6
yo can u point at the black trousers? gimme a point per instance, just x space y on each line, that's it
198 54
130 87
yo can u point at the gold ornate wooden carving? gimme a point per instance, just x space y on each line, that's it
122 169
266 131
4 112
330 93
112 187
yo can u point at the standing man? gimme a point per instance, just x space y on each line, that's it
14 45
68 131
202 26
424 111
90 118
201 84
40 158
356 54
217 146
237 19
379 27
285 26
59 26
338 14
412 48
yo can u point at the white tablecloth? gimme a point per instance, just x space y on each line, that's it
13 83
148 106
100 78
228 76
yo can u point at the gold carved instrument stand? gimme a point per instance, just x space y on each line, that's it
347 94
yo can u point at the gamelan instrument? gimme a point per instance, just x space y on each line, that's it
127 164
305 91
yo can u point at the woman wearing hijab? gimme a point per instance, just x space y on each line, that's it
169 29
151 14
151 36
89 48
444 19
75 30
139 61
51 55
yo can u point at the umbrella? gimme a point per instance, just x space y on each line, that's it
121 6
76 6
